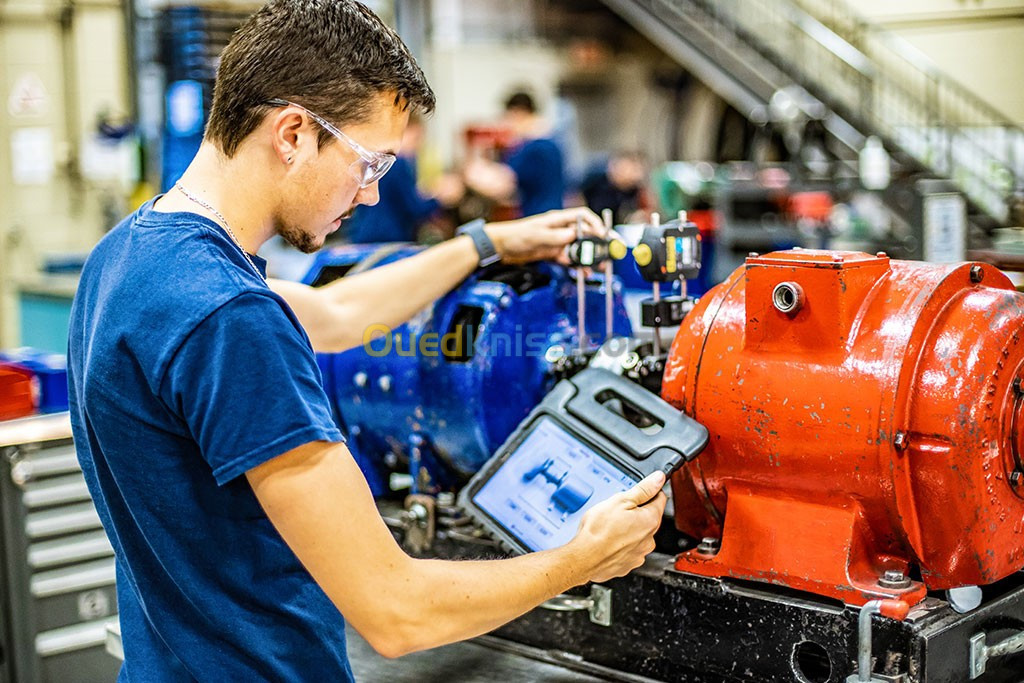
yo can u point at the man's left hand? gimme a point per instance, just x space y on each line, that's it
542 237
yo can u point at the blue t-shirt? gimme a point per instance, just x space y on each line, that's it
539 175
400 211
185 371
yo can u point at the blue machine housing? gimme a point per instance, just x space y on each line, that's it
419 396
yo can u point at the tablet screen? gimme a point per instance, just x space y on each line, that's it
540 492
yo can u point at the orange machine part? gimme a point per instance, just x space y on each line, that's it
877 427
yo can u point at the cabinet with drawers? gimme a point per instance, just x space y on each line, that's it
58 566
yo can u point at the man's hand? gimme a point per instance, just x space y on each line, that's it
542 237
617 534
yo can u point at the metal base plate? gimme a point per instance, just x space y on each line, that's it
672 626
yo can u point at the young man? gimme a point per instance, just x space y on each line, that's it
532 171
242 527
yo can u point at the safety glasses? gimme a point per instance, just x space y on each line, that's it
371 166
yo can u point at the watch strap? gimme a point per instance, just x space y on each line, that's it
484 246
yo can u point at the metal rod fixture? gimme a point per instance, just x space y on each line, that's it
581 304
656 290
609 282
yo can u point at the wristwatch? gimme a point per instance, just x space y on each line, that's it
484 246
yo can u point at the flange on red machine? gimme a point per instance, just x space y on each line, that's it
866 427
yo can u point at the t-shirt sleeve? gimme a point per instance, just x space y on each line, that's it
246 383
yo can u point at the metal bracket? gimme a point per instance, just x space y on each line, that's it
599 604
981 653
864 661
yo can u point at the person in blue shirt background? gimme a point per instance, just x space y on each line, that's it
245 534
402 208
620 184
532 170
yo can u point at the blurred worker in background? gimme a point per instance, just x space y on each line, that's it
402 209
242 527
532 170
621 185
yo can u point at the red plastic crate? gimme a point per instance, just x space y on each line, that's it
17 395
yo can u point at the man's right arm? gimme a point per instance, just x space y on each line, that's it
318 500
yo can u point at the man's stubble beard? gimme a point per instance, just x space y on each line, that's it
298 238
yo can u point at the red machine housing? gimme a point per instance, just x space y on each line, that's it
874 427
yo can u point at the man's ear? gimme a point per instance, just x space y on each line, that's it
289 135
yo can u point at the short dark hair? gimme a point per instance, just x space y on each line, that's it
522 101
331 56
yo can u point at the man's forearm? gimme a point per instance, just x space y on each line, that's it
392 294
337 316
462 600
319 502
493 180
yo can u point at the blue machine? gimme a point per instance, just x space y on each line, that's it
442 392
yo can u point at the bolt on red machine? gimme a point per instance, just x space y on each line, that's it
865 425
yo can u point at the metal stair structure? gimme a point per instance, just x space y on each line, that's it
870 82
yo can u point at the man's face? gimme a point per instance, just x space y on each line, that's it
626 173
322 190
519 121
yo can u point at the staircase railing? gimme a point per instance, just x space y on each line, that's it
885 87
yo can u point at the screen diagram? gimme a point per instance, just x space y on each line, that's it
542 490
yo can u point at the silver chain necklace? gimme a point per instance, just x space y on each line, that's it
191 197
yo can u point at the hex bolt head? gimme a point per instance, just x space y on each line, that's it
894 578
977 274
359 379
753 254
900 441
384 382
881 254
709 545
